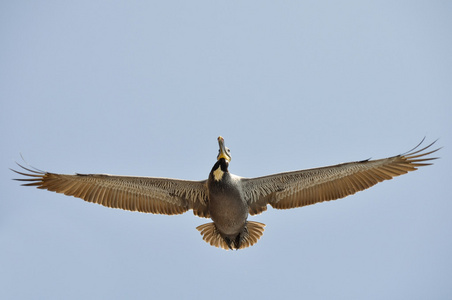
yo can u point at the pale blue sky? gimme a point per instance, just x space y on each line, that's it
146 87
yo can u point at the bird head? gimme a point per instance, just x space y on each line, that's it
224 151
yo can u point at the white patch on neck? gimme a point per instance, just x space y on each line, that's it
218 174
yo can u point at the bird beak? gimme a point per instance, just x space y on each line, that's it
223 150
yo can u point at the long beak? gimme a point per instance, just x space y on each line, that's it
223 151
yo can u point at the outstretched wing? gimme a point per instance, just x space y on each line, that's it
144 194
305 187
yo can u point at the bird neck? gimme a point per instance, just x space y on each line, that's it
220 168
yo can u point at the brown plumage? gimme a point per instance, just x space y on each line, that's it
225 198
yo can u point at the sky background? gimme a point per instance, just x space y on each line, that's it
146 87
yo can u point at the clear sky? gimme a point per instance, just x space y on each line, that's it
146 87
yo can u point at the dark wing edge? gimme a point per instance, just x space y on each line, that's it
306 187
144 194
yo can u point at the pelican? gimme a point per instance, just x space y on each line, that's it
225 198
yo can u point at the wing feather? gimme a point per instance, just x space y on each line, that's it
306 187
143 194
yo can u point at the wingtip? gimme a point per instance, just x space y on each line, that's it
415 152
32 175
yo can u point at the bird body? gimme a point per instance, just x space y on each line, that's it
228 207
226 198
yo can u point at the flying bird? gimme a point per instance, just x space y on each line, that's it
225 198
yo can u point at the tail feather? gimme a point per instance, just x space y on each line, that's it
211 235
254 232
251 233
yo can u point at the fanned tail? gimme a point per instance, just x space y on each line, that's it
251 233
211 235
